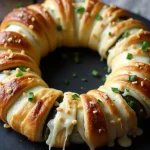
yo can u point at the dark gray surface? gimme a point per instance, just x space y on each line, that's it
55 70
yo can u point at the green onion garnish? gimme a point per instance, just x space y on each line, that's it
18 5
131 78
125 34
84 80
115 90
129 56
99 101
52 10
19 74
59 28
95 73
127 90
145 46
74 75
110 34
103 79
22 68
66 82
75 96
131 104
30 96
80 10
98 17
76 58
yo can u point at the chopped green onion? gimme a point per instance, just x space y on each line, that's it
99 101
82 0
145 46
95 73
131 104
98 17
109 34
76 59
131 78
125 34
84 80
75 96
18 5
103 79
74 75
114 100
66 82
52 10
127 90
129 56
80 10
19 74
115 90
59 28
30 96
22 68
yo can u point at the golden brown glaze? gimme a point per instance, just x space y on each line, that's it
94 123
35 119
17 43
27 34
18 85
12 60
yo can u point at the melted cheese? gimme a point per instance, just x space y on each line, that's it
56 125
125 141
4 76
125 123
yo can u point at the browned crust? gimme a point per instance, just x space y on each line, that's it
131 40
107 102
130 23
110 10
87 21
142 36
142 90
17 60
32 121
18 43
48 22
141 68
24 16
18 85
69 34
120 13
117 31
94 122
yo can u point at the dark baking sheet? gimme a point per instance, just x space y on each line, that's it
57 67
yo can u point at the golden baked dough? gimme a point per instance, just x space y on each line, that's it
97 117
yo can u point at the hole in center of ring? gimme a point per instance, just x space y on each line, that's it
73 69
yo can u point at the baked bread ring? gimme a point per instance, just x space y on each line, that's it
98 117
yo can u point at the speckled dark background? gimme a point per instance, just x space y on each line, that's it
11 140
